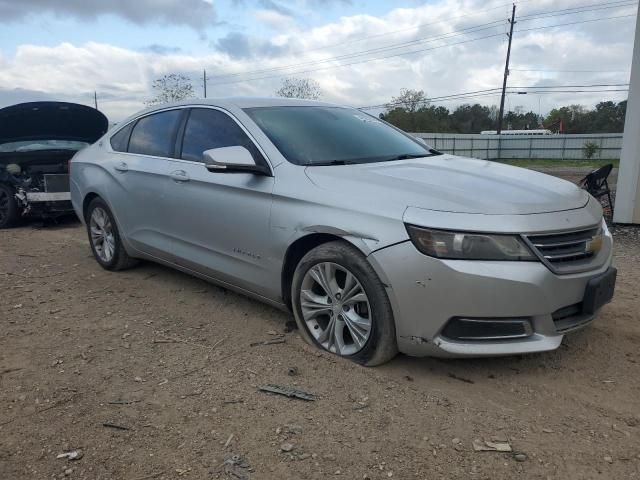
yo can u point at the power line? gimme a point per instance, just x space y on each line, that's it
566 71
495 94
575 86
548 92
457 96
369 37
545 89
579 9
422 50
415 27
577 23
443 36
362 61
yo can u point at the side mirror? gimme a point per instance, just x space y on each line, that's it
235 159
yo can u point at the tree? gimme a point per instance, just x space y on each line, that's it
519 120
171 88
409 100
471 119
305 88
411 111
590 149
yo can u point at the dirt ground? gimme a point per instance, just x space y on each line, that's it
151 374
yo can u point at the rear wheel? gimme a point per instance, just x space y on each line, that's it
104 238
341 306
8 207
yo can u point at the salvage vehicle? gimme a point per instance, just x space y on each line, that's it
37 140
375 241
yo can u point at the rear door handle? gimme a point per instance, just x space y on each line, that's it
179 176
122 167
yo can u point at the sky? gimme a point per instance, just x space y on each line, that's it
362 53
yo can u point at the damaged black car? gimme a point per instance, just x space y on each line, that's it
37 140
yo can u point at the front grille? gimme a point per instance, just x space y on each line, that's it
565 248
55 183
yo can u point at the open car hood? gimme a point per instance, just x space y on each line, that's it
51 121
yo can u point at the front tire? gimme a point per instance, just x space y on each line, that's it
104 238
341 306
8 207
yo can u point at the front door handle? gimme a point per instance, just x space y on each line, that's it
179 176
122 167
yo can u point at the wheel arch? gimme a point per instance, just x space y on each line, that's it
302 245
86 201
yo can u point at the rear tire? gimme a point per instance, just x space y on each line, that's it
340 305
104 238
9 214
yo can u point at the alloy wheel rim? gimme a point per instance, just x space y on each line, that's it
4 205
335 308
102 235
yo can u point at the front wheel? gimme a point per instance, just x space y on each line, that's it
341 306
9 213
104 237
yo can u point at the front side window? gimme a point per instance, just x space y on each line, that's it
155 134
207 128
333 135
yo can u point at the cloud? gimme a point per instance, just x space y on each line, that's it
161 49
235 44
193 13
275 20
239 45
123 77
275 7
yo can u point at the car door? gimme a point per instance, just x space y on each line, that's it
220 221
141 171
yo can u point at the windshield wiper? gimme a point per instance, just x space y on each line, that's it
405 156
408 156
332 162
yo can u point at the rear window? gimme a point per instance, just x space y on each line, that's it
155 134
120 141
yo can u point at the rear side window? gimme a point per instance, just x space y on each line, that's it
155 134
207 128
120 141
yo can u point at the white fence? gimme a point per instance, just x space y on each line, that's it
565 147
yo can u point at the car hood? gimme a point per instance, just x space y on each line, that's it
51 121
451 184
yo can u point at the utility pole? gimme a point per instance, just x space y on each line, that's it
627 206
204 82
95 99
506 69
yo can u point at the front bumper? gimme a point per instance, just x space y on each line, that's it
426 293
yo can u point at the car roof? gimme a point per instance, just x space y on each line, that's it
231 103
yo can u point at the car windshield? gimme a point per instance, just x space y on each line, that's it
31 145
334 136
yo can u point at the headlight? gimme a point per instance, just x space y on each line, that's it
469 246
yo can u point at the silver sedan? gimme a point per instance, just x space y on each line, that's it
376 242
